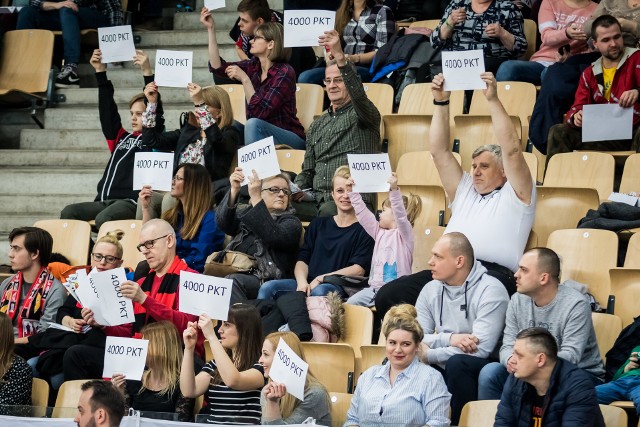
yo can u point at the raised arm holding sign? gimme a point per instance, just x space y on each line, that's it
153 169
174 68
462 69
126 356
204 294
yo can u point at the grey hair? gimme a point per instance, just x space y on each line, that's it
490 148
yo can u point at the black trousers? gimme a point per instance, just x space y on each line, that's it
461 375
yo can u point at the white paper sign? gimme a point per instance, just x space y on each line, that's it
126 356
154 169
116 44
259 156
89 297
619 122
370 172
462 69
100 292
624 198
174 68
289 369
214 4
204 294
303 27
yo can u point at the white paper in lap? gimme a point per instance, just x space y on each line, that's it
619 122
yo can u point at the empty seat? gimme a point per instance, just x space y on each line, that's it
290 160
381 94
607 328
480 413
70 238
582 169
332 363
358 327
424 239
238 101
418 99
631 175
309 99
405 133
625 286
370 355
340 403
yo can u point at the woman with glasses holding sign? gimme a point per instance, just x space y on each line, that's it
267 230
192 218
280 407
269 84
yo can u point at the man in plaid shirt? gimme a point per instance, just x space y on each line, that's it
70 17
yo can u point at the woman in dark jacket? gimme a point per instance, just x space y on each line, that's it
267 229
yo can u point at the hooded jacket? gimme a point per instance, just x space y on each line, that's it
476 307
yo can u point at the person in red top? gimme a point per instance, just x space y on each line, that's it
612 79
155 298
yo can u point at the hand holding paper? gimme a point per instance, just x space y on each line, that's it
437 89
96 61
151 92
491 91
190 336
206 326
274 391
133 291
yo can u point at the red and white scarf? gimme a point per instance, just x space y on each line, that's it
32 307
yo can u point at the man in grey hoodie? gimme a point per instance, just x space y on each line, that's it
542 301
462 312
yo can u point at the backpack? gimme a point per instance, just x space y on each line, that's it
619 353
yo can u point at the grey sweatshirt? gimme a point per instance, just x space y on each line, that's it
567 317
441 312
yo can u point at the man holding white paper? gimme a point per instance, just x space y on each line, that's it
155 297
614 80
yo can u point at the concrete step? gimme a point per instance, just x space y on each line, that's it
47 158
52 139
200 54
53 180
88 118
122 96
224 19
184 38
36 203
12 220
131 78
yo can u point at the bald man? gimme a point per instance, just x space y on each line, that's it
155 298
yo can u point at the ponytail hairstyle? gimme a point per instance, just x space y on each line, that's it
412 205
113 237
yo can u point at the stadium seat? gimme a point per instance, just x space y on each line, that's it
39 393
405 133
480 413
381 94
532 164
418 168
309 99
607 328
290 160
418 99
625 286
333 364
238 101
582 169
631 175
358 327
632 259
424 239
26 79
531 34
372 355
428 23
67 400
587 255
131 227
70 238
561 208
613 416
340 403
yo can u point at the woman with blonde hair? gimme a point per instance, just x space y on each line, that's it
404 391
15 373
280 407
159 389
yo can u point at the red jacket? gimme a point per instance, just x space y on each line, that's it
591 85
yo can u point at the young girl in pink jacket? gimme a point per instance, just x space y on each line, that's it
393 250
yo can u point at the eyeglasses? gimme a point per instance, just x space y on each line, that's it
260 38
109 259
336 80
149 243
177 178
277 190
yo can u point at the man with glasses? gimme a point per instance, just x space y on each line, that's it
154 296
350 125
32 296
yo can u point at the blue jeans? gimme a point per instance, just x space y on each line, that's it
257 129
625 388
55 380
316 75
273 289
521 71
65 19
491 381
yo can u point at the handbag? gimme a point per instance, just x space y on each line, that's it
349 284
223 263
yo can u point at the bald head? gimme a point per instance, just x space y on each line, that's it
459 245
548 262
158 244
159 225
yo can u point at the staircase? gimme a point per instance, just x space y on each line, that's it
43 170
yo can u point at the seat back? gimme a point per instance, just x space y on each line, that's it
358 327
370 355
418 168
238 101
131 227
332 364
434 204
631 174
625 286
518 99
587 255
381 94
532 164
424 239
309 99
290 160
405 133
39 392
584 169
418 99
561 208
632 259
607 328
340 403
68 396
531 34
480 413
428 23
70 238
475 131
613 416
26 61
